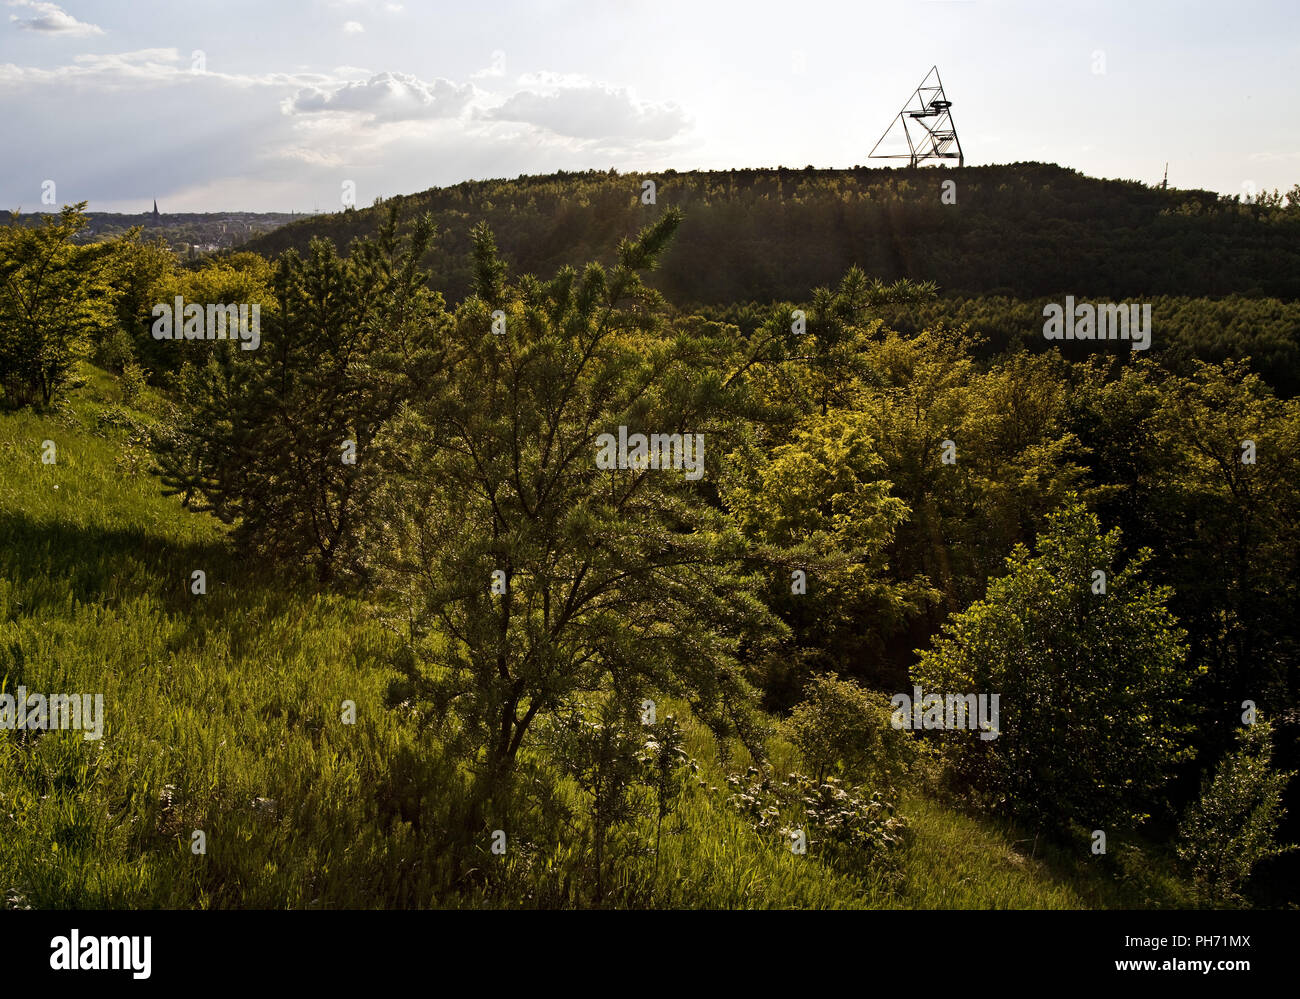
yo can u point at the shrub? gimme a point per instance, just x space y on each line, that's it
602 756
843 729
846 828
114 351
133 383
54 300
665 767
1091 683
278 441
1231 827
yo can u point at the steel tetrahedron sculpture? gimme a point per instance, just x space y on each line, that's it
926 125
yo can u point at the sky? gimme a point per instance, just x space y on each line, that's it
298 105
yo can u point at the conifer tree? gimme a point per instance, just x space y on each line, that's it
526 573
279 441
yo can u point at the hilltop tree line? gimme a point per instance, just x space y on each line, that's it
1022 230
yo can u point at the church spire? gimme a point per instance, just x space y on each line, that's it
156 216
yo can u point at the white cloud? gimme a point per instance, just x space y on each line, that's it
571 105
286 139
384 97
51 18
311 156
353 28
158 67
497 68
108 71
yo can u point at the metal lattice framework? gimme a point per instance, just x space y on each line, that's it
927 125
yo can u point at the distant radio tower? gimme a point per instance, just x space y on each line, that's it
1164 184
926 139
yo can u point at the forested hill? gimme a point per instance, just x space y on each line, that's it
1023 230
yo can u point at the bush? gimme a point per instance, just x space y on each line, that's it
841 826
133 383
54 301
1231 827
115 352
844 730
1091 683
278 441
665 766
602 756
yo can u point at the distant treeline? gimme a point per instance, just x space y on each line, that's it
188 234
1184 329
1022 230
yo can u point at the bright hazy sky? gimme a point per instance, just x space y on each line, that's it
298 96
